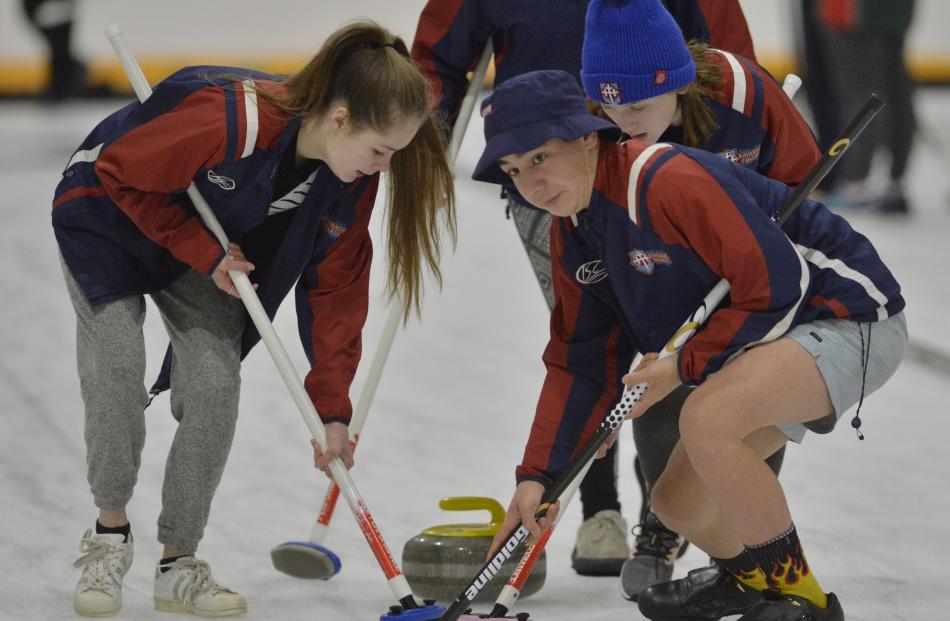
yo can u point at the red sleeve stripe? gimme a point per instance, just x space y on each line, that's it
727 25
836 307
78 193
434 23
738 82
636 170
250 113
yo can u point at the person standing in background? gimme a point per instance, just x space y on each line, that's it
53 19
449 40
865 44
813 62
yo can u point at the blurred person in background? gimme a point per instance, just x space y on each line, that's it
865 54
819 90
67 75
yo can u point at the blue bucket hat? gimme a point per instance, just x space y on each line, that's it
633 50
526 111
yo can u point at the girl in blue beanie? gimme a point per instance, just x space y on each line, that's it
641 234
658 88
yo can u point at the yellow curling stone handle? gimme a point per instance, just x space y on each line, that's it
469 503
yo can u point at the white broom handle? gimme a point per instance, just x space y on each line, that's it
468 103
791 85
378 363
318 531
368 391
341 475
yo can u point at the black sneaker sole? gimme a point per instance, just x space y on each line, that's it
597 566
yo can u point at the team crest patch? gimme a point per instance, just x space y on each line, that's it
659 77
646 260
743 158
591 272
335 229
610 92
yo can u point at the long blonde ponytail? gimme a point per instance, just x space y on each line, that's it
369 69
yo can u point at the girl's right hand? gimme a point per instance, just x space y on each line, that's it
523 505
233 261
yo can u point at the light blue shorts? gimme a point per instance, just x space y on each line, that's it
837 345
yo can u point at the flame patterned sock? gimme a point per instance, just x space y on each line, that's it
783 563
744 569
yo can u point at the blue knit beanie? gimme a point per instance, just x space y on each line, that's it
633 50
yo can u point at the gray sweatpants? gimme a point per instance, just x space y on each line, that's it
205 326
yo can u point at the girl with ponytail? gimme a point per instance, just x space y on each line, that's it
291 167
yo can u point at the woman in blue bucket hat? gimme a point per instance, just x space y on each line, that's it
640 234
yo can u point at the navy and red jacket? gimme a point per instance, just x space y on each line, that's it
126 227
757 125
664 225
451 35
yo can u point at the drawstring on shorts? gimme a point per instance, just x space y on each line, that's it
865 358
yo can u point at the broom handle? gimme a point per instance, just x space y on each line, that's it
318 532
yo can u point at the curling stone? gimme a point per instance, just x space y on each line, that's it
443 560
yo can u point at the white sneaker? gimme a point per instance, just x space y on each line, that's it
187 586
105 560
601 546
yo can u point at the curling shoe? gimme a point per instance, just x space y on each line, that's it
601 546
186 585
105 560
782 607
705 593
657 547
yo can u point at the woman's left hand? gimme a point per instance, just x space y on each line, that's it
661 378
338 445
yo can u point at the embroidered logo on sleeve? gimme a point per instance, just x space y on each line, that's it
225 183
332 227
610 92
591 272
646 260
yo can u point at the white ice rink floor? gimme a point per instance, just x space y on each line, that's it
450 418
